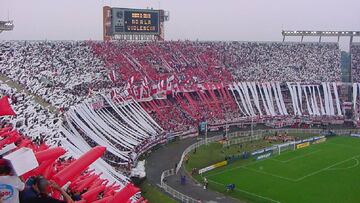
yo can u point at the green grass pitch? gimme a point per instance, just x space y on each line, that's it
326 172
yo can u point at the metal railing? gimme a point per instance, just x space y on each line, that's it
196 145
174 193
239 137
256 136
171 191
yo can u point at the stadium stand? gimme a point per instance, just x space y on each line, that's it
355 61
130 96
60 72
85 184
195 62
58 67
295 62
32 119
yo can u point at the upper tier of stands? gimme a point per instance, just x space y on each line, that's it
65 72
285 62
355 61
60 72
200 62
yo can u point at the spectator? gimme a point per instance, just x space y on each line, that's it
42 187
230 187
183 179
10 185
206 183
29 192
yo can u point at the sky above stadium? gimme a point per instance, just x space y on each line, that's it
241 20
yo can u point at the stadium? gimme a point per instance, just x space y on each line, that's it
136 118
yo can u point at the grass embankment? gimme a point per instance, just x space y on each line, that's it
154 194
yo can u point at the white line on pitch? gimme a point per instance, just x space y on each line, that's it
321 170
349 167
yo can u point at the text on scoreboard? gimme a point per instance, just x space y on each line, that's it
135 21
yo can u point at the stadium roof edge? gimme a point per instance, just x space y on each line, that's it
320 33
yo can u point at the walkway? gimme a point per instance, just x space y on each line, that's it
35 97
165 158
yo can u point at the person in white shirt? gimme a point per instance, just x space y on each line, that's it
9 185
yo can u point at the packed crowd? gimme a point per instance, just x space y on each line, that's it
192 62
66 72
355 61
285 62
37 128
185 110
55 179
200 62
60 72
246 104
31 119
126 130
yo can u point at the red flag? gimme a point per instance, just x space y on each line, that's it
73 170
125 193
5 108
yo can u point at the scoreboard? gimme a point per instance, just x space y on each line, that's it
134 21
134 24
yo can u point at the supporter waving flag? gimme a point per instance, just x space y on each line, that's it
5 108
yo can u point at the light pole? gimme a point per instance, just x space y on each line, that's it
226 124
226 130
252 127
206 132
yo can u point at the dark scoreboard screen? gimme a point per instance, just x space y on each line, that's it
141 22
135 21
